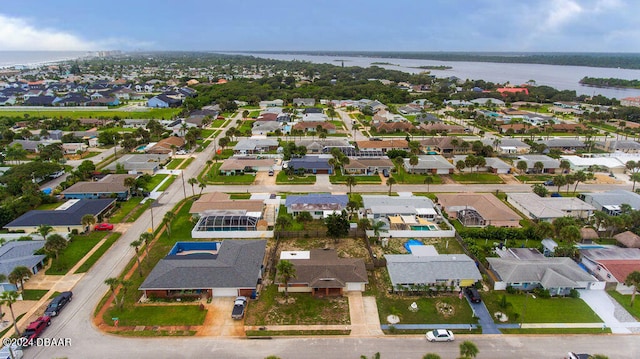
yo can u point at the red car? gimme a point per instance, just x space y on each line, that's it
34 330
104 227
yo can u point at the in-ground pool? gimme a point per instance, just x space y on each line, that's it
430 227
412 242
141 148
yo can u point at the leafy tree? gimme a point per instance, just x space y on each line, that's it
18 274
538 167
468 349
522 166
559 181
570 234
286 272
540 190
54 244
633 279
304 216
460 165
374 356
9 298
431 356
337 225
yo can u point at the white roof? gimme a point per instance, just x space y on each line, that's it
609 162
426 211
295 255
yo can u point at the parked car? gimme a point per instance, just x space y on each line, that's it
271 173
385 172
34 329
13 352
59 302
548 183
473 294
238 308
440 335
103 227
572 355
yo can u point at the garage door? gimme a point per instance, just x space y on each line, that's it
225 292
354 287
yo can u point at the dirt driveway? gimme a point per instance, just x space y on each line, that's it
263 178
218 322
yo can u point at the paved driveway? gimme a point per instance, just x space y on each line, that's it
610 311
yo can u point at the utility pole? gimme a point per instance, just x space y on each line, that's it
184 190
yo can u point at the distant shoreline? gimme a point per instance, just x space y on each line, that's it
34 59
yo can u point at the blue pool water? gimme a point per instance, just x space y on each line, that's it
422 228
141 148
411 242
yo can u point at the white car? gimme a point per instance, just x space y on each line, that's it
440 335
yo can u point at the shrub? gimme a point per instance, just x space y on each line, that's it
574 293
542 293
304 217
511 290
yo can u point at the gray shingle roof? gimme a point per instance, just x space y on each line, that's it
565 271
236 265
69 217
19 253
410 269
317 201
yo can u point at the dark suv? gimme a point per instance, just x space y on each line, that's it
58 303
473 294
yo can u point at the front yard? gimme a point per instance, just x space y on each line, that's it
402 177
339 178
78 247
282 178
476 178
213 176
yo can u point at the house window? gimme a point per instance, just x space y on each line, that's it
318 213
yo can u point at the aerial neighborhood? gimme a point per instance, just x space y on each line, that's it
244 197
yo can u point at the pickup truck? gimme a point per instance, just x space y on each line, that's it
239 306
34 330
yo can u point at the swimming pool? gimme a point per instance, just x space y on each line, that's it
430 227
411 242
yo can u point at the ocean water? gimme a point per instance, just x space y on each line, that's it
35 58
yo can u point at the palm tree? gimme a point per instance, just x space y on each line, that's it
8 298
3 278
168 218
633 279
125 285
88 220
376 227
363 225
413 161
113 284
136 245
18 274
635 178
202 186
390 182
54 244
131 183
147 237
44 230
468 349
351 182
286 271
192 181
428 180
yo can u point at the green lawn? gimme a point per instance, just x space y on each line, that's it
427 312
186 163
48 206
78 247
98 253
138 211
125 208
253 114
77 113
217 124
155 180
206 133
402 177
213 176
476 178
305 309
339 178
534 178
152 315
245 126
282 178
174 163
539 310
34 294
625 300
167 183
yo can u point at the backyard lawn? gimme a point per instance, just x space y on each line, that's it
282 178
78 247
300 308
539 310
476 178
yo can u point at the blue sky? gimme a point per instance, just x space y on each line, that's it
376 25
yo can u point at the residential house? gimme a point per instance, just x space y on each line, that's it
478 210
135 123
549 208
610 202
240 165
439 127
94 122
566 145
167 146
255 145
611 264
630 101
390 127
55 135
608 164
265 127
267 116
39 101
322 273
493 165
488 101
429 164
625 146
140 163
111 186
300 102
527 269
550 165
207 269
383 145
21 254
74 148
313 126
163 101
507 146
272 103
443 145
314 116
368 165
324 145
319 205
316 164
65 218
425 268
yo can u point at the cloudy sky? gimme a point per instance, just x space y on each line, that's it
382 25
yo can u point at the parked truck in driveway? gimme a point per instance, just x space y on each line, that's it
239 306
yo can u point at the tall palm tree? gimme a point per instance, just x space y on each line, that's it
413 161
390 182
147 237
377 228
192 181
113 284
44 230
633 279
136 245
18 274
202 186
54 244
428 181
3 278
125 286
131 183
286 272
168 218
8 298
88 220
351 182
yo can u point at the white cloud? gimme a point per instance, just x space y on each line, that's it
561 13
18 34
